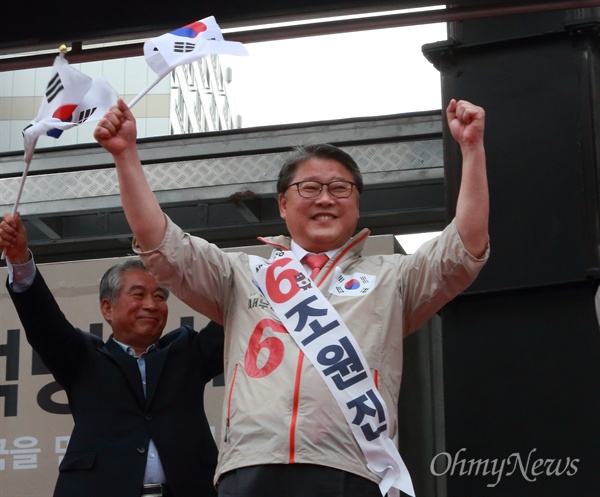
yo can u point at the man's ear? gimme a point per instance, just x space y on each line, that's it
106 309
282 205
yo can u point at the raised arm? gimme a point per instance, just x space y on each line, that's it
13 238
116 132
467 122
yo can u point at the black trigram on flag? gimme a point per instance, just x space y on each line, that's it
84 115
183 47
54 87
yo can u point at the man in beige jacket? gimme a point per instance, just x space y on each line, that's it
313 367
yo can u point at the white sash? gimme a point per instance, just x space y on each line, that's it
321 334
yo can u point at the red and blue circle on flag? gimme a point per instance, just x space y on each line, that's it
65 114
191 30
352 284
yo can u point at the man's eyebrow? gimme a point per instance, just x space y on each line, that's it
133 288
143 287
313 178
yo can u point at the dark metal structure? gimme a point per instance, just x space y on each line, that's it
521 348
221 186
111 20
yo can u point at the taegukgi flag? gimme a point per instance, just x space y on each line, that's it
71 98
188 44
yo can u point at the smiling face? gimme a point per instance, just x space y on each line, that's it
326 222
139 314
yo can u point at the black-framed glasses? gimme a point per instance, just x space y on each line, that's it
312 189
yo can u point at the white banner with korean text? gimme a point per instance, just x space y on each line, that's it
327 342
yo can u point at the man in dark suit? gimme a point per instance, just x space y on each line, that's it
137 399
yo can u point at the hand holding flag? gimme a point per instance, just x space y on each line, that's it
186 45
71 98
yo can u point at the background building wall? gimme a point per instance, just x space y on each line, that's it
194 98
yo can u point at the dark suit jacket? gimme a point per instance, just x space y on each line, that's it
106 455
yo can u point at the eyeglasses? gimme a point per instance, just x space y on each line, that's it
312 189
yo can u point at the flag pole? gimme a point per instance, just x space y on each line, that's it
16 206
144 91
63 50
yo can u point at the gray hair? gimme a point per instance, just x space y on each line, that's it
112 281
319 151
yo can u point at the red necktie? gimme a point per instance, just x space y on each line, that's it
315 262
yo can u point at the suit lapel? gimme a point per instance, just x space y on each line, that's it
128 365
